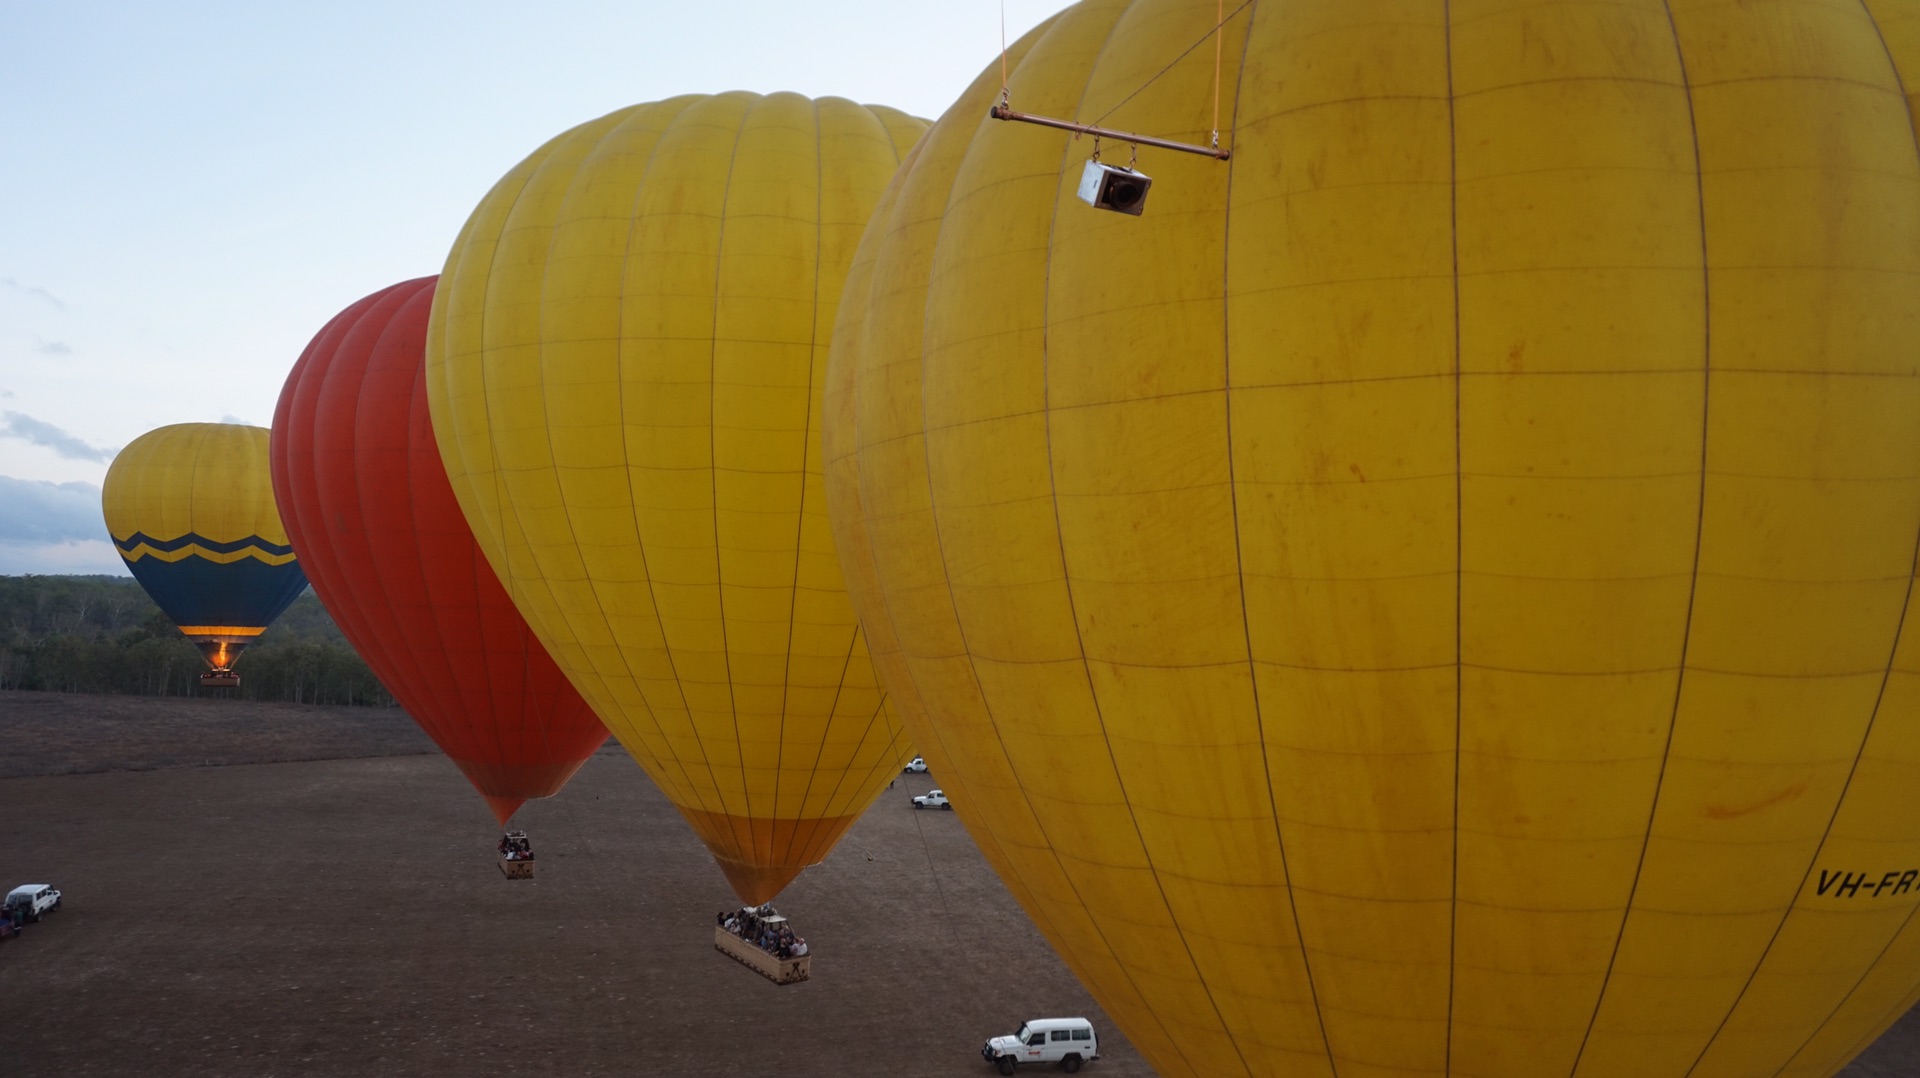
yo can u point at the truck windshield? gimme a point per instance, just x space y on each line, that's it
1022 1035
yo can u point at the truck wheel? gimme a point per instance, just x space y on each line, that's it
948 806
1071 1064
1006 1064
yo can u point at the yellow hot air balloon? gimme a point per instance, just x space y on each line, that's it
1431 596
625 364
190 507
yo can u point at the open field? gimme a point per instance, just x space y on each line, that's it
345 917
47 733
340 914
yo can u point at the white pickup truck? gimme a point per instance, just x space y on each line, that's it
933 799
32 900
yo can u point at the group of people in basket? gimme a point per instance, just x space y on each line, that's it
515 847
763 928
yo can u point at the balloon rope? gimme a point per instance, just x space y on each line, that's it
926 850
1183 55
1003 52
1218 21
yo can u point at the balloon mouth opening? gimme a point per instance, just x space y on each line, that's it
506 787
220 652
757 884
503 807
760 856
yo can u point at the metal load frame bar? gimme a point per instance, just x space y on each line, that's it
1002 112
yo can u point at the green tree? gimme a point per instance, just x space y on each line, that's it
103 634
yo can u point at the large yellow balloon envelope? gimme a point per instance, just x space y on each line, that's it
191 510
625 362
1431 596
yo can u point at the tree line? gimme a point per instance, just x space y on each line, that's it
101 634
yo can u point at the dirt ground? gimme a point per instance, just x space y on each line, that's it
48 733
322 900
345 917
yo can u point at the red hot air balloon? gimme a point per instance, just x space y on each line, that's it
370 512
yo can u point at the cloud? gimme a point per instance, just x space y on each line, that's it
55 348
34 291
39 432
231 418
91 557
35 512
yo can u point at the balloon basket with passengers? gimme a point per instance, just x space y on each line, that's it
759 938
516 856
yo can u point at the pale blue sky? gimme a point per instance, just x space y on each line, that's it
190 191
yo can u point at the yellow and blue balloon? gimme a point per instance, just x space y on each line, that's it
191 509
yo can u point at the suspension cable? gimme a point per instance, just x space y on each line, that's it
1218 22
1003 53
1213 32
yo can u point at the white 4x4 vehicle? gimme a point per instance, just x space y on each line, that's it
1066 1041
933 799
32 900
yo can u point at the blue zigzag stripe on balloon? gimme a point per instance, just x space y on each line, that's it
168 546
